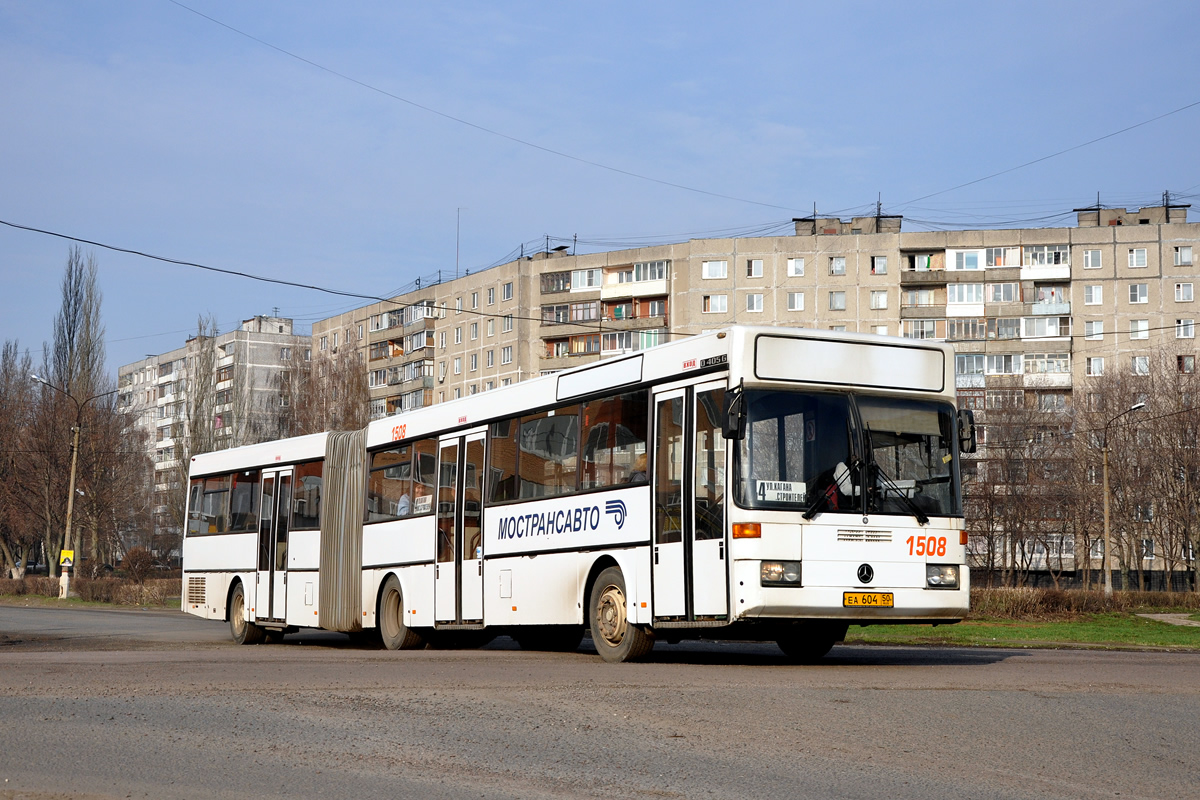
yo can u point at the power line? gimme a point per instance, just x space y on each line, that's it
474 125
1052 155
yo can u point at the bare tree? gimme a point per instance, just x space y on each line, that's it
18 520
327 393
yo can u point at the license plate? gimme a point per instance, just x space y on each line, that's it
867 599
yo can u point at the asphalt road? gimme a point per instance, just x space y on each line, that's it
104 704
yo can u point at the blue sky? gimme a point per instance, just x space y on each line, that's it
144 125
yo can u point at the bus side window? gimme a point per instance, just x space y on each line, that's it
502 461
549 452
424 475
389 487
214 507
243 501
306 496
614 440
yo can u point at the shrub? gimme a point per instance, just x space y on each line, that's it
1039 604
98 590
137 564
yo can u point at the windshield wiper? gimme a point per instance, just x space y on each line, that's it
900 492
830 485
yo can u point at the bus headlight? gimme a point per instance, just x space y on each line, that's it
941 576
781 573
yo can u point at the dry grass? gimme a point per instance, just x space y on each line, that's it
117 591
1056 604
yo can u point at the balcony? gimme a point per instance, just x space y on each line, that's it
920 277
927 311
1049 309
633 323
1047 380
634 289
1046 272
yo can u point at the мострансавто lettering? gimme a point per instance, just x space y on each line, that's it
548 523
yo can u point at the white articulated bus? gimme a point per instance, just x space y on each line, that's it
751 483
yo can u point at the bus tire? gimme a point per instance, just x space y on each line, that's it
244 632
396 635
615 637
808 643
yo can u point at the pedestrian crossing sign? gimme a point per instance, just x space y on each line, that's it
67 558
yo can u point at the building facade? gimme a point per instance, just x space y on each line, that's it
228 383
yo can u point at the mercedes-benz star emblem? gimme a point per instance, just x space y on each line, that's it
865 573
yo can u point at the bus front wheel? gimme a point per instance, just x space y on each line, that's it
244 632
395 633
615 637
808 643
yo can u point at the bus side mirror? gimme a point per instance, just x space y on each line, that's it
733 424
966 430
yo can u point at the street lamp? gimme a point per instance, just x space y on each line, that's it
1108 590
79 407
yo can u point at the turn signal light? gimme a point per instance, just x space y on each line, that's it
747 530
962 538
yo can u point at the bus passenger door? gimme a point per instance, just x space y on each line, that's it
445 581
471 572
273 522
710 582
458 583
669 569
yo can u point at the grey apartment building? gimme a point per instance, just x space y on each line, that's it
1034 313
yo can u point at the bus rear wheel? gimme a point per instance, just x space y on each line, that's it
244 632
395 633
616 639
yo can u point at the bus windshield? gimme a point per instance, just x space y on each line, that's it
855 453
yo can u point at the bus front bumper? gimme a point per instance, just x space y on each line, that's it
865 603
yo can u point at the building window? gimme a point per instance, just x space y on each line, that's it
1040 327
285 354
492 296
754 303
966 328
1091 259
507 290
458 305
458 335
490 358
970 364
878 300
457 393
508 323
458 366
442 340
1137 257
1004 365
914 298
837 301
1046 363
506 355
1185 329
1093 329
474 362
1003 293
441 370
1052 401
1139 293
920 329
1141 365
795 267
838 328
474 331
714 304
879 265
474 299
713 269
1047 255
1002 256
1183 256
1094 366
754 268
1093 295
324 342
879 330
491 327
966 259
795 301
1185 364
920 263
964 293
1183 293
837 265
1139 329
